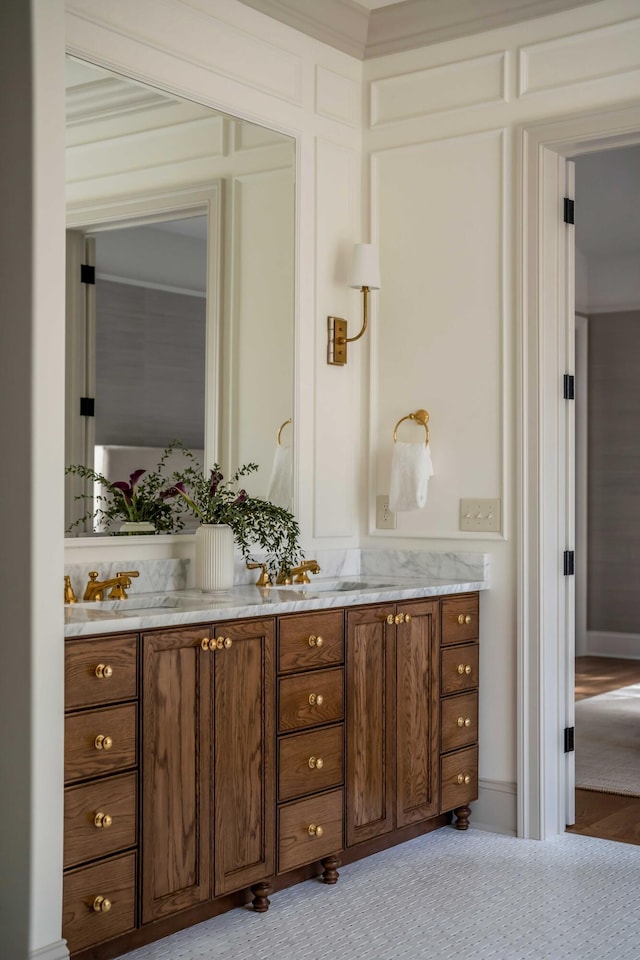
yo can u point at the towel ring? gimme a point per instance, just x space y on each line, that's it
282 426
420 416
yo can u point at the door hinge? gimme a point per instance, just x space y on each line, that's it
569 386
569 210
87 407
569 563
87 273
569 739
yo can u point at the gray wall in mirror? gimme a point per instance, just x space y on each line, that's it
172 269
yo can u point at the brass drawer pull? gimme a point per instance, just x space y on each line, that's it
104 671
315 641
101 905
464 668
204 643
102 820
316 699
103 742
463 778
222 643
464 618
316 763
464 721
315 830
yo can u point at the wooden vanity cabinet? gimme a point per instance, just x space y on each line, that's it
392 717
101 789
208 787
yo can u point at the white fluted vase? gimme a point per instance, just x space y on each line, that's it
214 557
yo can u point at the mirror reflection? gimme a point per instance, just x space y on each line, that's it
182 221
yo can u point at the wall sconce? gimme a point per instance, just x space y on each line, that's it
365 276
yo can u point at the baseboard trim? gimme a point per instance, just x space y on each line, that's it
496 809
53 951
601 643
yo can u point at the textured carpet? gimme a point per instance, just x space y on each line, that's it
608 742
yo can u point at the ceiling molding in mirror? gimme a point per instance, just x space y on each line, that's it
190 216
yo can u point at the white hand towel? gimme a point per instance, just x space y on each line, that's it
411 468
280 484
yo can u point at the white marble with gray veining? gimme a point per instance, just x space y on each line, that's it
151 609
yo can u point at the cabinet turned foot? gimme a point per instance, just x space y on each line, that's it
261 902
462 815
330 873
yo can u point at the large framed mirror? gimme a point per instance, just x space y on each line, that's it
180 286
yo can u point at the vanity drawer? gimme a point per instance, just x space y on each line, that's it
458 721
309 699
99 671
460 618
458 779
86 755
310 762
310 640
458 668
87 834
296 845
83 922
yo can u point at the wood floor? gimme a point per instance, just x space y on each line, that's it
606 815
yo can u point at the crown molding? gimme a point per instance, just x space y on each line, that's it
418 23
352 28
342 24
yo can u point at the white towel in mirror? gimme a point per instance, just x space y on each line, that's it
281 482
411 468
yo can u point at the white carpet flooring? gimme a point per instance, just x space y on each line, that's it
469 896
608 742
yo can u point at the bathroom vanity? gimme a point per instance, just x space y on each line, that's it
216 752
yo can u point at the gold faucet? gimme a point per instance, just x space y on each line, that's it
119 585
299 574
264 580
69 595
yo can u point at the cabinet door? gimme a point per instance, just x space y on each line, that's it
370 723
176 766
417 681
244 737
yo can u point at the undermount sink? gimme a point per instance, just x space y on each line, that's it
339 585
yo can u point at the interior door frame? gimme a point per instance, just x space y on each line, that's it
546 637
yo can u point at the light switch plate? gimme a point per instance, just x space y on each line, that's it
385 518
481 516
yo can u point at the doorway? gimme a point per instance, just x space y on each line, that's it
607 638
546 638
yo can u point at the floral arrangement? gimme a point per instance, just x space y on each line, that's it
254 521
140 499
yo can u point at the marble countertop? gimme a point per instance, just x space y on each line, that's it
144 611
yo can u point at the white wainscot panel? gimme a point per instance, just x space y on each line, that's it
336 405
439 340
580 58
453 86
336 96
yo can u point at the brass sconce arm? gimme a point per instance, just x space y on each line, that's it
365 277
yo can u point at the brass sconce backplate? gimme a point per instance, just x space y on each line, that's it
337 345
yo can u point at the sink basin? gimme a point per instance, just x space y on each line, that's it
339 585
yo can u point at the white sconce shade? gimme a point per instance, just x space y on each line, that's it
365 267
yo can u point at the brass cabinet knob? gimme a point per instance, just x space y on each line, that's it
221 643
316 699
464 618
228 642
104 671
464 721
204 643
391 619
464 668
103 742
463 778
102 820
101 905
315 641
316 763
315 830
